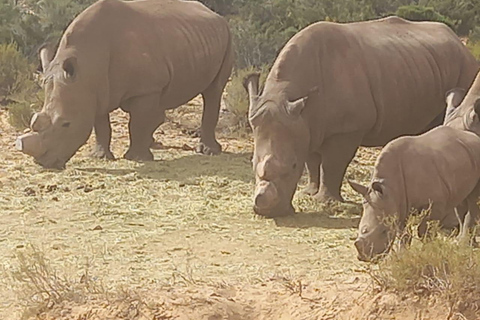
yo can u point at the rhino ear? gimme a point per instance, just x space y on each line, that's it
45 54
454 98
476 106
378 187
70 68
358 187
295 108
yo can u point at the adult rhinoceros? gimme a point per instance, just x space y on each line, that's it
145 56
335 87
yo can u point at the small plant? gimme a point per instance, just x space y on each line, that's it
236 98
41 286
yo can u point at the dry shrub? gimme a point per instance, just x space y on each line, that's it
41 287
439 266
236 97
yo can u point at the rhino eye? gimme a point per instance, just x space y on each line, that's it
294 166
66 125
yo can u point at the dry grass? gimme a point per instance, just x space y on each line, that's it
435 267
182 220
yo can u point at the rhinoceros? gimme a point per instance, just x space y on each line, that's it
335 87
439 169
143 56
463 107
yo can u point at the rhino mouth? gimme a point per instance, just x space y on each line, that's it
46 163
275 212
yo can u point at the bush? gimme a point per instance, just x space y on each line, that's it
437 267
421 13
15 71
19 91
236 98
474 48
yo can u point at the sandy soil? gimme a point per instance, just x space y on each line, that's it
176 238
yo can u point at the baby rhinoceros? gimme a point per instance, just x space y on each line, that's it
440 168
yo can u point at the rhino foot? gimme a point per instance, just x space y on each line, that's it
101 153
327 197
209 150
139 156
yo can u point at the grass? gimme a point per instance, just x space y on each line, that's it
41 286
437 267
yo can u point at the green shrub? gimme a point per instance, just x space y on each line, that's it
236 98
474 48
15 70
19 91
421 13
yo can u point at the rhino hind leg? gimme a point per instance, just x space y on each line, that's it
313 168
212 97
145 117
337 152
103 136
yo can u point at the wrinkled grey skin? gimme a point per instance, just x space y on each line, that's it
335 87
143 56
439 170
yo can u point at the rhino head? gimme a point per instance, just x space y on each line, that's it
463 108
66 119
281 138
377 228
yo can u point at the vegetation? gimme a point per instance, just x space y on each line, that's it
439 267
260 27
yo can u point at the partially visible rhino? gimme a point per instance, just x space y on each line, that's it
440 168
143 56
335 87
463 108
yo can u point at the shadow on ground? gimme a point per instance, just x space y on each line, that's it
317 220
233 166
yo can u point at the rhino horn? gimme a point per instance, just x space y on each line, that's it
358 187
40 122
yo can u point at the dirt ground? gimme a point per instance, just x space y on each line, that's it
176 238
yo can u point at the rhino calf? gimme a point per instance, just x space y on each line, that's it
143 56
440 168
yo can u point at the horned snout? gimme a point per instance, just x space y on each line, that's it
361 246
266 195
32 143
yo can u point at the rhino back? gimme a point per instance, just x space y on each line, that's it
442 166
171 47
386 77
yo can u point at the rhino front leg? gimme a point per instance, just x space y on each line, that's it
313 168
467 234
211 108
145 117
103 136
337 152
